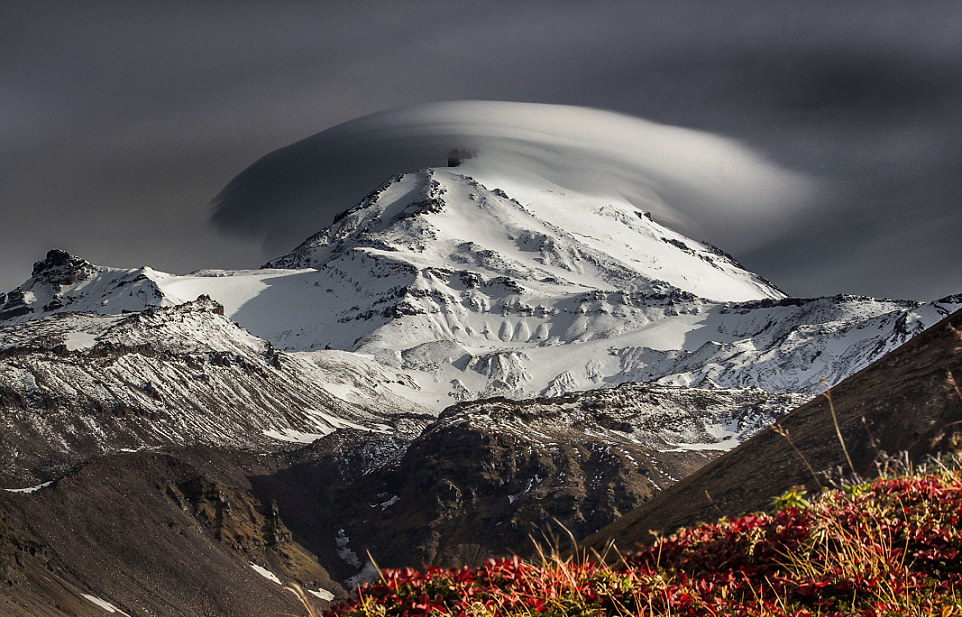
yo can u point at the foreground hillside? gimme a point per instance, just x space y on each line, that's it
888 547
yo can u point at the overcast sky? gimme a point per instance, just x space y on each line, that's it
120 122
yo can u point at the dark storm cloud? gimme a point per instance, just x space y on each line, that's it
120 121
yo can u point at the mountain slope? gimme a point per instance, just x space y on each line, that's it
184 524
75 386
487 476
446 218
164 534
903 402
63 282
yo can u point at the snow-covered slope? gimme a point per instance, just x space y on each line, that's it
63 282
434 224
474 281
544 237
76 385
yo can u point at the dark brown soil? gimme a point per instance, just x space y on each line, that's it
153 534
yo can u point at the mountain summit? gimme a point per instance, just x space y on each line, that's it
547 239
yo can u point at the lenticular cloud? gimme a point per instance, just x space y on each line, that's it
704 185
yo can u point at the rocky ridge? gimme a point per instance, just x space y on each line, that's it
76 386
487 476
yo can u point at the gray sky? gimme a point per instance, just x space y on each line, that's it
119 122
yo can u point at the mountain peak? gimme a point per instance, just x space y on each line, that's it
497 223
64 282
59 263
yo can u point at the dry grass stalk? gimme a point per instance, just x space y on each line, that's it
780 430
838 431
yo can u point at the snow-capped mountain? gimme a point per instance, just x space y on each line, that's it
475 282
243 409
434 232
543 236
64 282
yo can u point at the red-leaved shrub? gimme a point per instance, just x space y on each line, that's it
887 547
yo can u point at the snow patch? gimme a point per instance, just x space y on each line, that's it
387 504
29 489
77 341
107 606
724 445
336 422
321 593
342 391
289 435
265 572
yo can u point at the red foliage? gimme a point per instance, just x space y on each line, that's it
887 548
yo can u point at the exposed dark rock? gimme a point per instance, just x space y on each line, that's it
488 475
